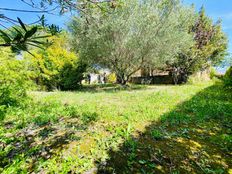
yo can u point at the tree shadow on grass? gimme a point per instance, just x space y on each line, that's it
111 88
195 137
41 142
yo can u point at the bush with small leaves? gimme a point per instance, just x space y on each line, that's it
13 82
228 78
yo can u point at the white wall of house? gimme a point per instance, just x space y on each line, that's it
94 77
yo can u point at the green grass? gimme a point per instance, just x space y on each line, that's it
110 129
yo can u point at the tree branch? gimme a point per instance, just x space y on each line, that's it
28 11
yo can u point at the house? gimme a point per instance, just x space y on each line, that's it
98 77
155 76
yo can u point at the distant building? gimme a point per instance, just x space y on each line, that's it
94 77
154 76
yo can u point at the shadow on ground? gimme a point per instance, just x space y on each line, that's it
41 142
95 88
195 137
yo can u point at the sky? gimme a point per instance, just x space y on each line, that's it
216 9
28 18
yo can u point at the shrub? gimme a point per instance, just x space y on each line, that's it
213 73
2 112
71 76
56 67
228 78
13 82
13 94
111 78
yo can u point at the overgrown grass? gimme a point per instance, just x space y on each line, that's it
109 129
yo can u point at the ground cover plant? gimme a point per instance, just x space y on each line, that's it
110 129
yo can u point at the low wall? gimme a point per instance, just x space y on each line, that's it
158 79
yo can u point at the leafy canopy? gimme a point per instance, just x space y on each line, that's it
210 45
57 66
132 35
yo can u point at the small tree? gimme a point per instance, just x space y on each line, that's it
209 50
132 35
57 66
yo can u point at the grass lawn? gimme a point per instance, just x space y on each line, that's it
109 129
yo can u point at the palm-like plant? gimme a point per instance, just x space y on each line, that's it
21 37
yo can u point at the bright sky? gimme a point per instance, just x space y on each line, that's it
214 8
31 17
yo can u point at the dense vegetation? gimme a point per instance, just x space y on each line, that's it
14 82
51 121
209 50
57 67
228 78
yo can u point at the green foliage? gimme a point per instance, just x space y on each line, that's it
228 78
71 75
56 67
89 117
2 112
209 50
132 35
20 38
156 134
213 73
44 119
13 82
49 113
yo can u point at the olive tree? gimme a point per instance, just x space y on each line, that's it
132 35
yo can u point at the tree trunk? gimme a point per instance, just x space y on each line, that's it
123 82
118 79
175 75
121 79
